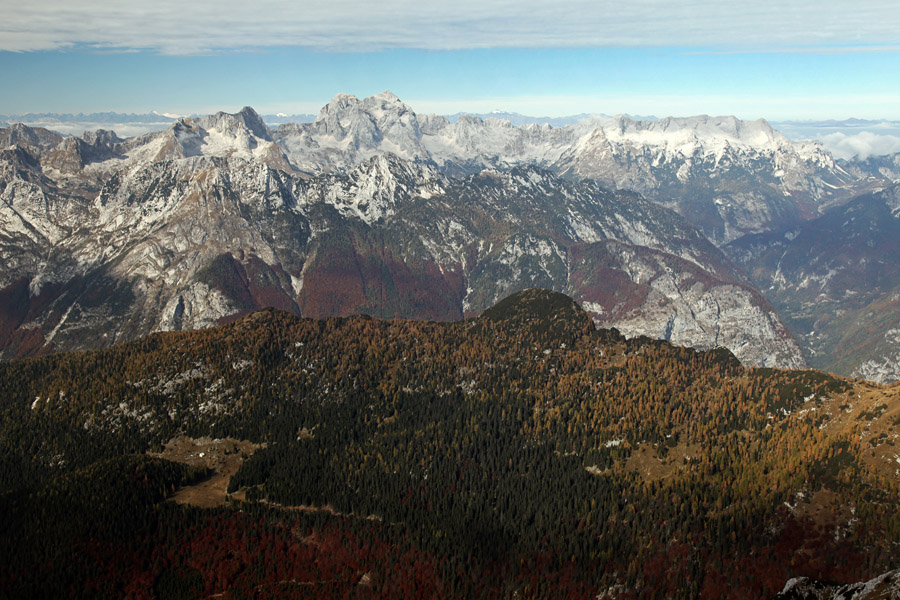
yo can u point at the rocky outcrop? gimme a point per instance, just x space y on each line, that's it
883 587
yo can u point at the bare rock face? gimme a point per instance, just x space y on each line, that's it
886 586
675 300
197 224
35 140
73 154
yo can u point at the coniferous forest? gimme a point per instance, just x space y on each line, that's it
523 453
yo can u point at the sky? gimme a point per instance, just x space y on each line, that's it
775 59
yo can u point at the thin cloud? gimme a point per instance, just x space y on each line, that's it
202 26
819 50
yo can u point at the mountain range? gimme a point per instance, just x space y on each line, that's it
372 208
173 243
729 177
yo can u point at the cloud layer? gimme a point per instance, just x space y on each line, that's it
204 26
846 139
862 145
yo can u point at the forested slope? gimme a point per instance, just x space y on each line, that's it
520 453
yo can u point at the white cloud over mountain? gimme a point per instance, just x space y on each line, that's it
203 26
849 138
863 144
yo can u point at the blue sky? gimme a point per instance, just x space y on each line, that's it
788 59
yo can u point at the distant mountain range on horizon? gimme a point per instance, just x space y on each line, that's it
515 118
828 131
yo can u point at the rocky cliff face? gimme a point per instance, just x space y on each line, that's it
198 223
883 587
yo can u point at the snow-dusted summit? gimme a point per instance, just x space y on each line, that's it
729 177
726 176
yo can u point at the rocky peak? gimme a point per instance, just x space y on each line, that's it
101 137
36 139
242 136
697 135
380 107
470 120
243 123
67 157
432 123
397 121
346 122
339 103
254 123
349 131
387 96
386 101
72 154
